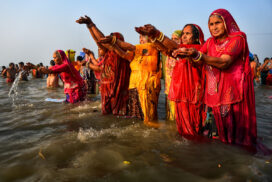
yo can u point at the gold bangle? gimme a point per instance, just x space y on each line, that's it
160 36
198 57
113 41
160 39
153 40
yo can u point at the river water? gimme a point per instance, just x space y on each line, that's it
47 141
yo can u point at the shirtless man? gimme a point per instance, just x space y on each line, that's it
4 72
11 73
52 79
24 74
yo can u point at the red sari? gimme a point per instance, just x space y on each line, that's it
114 83
186 90
74 86
230 92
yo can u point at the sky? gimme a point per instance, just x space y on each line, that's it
31 30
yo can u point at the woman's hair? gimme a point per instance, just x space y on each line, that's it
194 31
52 63
256 59
79 58
265 59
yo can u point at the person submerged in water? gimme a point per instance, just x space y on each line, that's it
25 73
52 79
11 73
74 86
4 72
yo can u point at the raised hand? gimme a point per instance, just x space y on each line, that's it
148 30
87 51
85 20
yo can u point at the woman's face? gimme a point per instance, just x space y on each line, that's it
143 39
57 58
101 52
187 36
176 38
217 27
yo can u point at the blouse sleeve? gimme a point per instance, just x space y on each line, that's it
59 68
204 48
235 47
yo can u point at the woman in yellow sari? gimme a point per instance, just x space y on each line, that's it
144 79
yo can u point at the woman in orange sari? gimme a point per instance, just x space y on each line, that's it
186 88
229 87
144 84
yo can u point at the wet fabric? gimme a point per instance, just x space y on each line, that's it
134 105
187 90
170 107
147 80
74 87
230 92
114 80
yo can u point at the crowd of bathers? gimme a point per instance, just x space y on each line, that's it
204 78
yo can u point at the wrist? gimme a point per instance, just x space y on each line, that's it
197 57
159 36
90 25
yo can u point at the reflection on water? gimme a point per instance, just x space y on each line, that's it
47 141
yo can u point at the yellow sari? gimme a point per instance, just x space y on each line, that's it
145 76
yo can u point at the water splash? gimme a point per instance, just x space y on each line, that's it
13 90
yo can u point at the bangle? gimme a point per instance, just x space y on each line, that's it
160 39
198 57
113 41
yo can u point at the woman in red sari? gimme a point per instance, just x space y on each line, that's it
114 73
186 88
229 88
74 86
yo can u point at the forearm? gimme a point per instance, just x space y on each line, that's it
123 54
93 60
160 47
94 67
168 44
46 71
125 45
222 62
95 36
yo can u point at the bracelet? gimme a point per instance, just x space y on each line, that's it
160 39
198 57
113 41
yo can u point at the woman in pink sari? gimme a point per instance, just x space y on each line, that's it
229 88
74 86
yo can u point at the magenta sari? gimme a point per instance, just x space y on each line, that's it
74 86
230 92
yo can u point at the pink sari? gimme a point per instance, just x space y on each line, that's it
74 86
230 92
